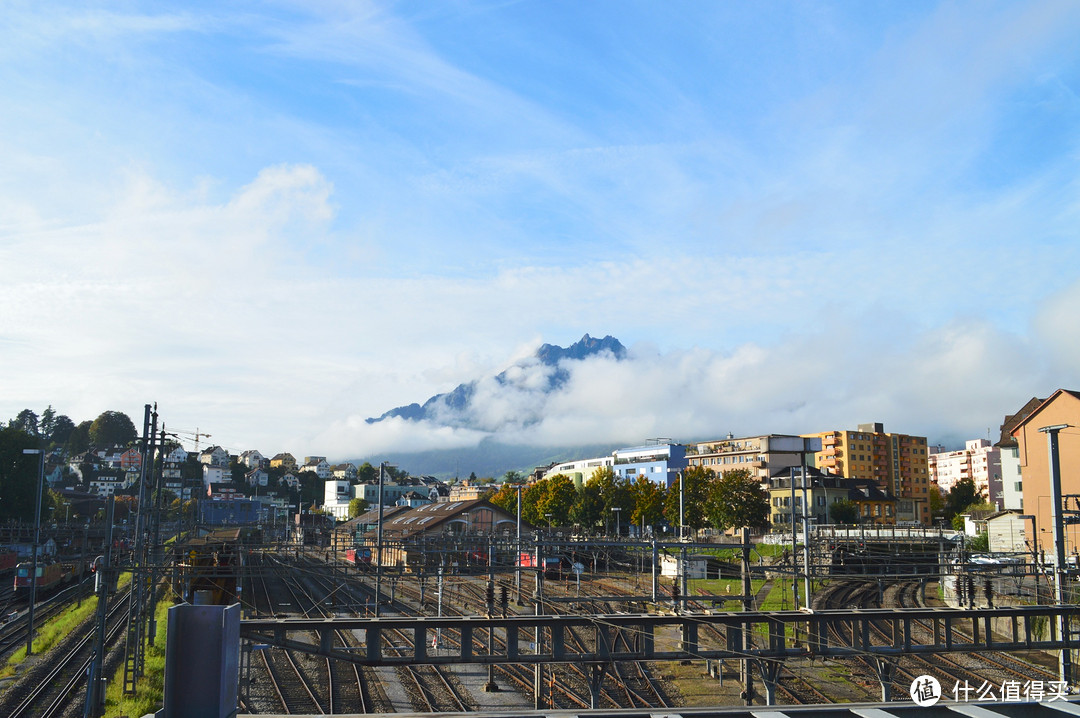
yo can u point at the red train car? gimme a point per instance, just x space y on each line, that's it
49 576
359 556
8 559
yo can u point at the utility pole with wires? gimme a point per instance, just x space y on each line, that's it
1056 508
133 653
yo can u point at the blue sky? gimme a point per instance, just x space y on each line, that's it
278 219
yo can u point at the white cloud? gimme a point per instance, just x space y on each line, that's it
948 385
213 309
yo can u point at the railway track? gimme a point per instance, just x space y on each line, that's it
60 682
567 686
974 669
300 682
13 633
979 667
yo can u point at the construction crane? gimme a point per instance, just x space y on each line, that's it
188 435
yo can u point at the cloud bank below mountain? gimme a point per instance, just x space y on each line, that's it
946 384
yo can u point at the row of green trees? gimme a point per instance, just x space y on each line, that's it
733 499
51 430
19 472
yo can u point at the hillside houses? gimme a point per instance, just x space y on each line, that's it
252 459
214 456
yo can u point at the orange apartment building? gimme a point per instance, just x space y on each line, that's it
897 463
1063 407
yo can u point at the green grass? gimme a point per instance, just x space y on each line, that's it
52 632
722 586
149 689
760 550
769 550
780 599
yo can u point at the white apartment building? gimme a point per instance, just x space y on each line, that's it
659 462
215 475
581 470
978 460
336 496
318 466
1012 485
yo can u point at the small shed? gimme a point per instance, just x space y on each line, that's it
695 566
1006 532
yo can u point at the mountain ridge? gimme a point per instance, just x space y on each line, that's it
456 402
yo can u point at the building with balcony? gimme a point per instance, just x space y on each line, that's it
761 455
660 462
215 474
978 461
896 463
578 471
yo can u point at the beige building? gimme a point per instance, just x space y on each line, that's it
762 455
1061 409
468 491
284 460
821 493
896 463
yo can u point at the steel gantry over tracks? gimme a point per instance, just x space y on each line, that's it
881 634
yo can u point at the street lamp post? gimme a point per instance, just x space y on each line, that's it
37 540
618 525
